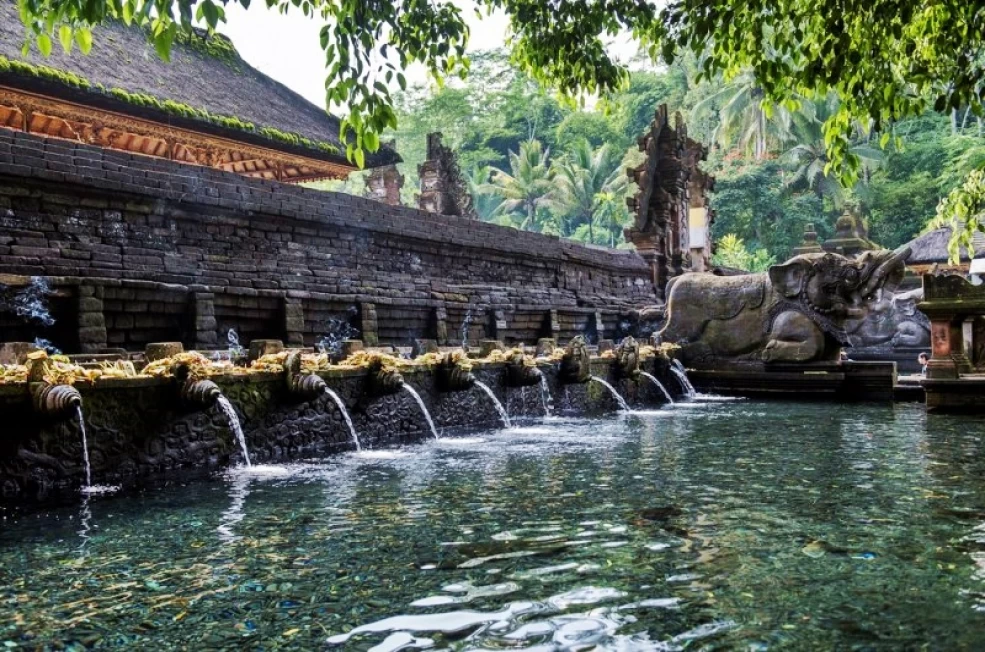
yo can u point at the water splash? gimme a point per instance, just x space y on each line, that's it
85 526
239 491
681 374
499 406
623 405
339 330
30 302
465 329
47 346
235 348
85 445
659 385
233 420
345 415
545 396
424 408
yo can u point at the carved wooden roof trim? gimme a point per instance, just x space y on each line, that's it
58 118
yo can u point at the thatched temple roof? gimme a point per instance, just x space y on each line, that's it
931 248
206 88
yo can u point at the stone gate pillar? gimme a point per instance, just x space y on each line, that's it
947 302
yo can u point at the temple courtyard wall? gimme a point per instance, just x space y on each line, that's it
141 250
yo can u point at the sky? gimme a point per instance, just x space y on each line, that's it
287 48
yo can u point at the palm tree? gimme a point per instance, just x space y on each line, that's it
743 119
484 202
527 187
810 157
585 179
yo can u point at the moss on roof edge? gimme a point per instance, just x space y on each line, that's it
168 106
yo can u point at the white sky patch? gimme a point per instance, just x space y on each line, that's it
287 48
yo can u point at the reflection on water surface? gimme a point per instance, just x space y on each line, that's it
742 525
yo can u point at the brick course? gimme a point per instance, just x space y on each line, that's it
100 217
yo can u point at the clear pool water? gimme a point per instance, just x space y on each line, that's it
718 525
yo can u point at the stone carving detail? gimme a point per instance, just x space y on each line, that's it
628 358
576 365
851 235
894 321
383 184
661 208
444 189
803 310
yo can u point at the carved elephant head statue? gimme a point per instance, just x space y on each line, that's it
839 289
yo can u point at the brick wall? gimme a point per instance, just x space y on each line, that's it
128 223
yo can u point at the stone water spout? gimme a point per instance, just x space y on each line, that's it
198 393
519 373
453 376
50 399
304 386
576 365
382 381
628 359
55 400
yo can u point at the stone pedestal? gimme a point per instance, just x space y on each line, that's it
160 350
422 347
260 348
351 346
948 358
488 346
15 352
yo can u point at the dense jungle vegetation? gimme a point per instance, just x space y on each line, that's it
536 163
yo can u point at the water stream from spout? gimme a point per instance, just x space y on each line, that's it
623 405
85 445
345 415
233 420
499 406
678 370
424 408
545 396
659 384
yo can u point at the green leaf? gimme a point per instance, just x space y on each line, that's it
359 158
163 41
83 36
44 44
65 37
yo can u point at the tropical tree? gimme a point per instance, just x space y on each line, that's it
526 187
484 202
809 155
747 119
886 59
585 178
732 252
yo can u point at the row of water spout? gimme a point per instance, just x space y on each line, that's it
64 398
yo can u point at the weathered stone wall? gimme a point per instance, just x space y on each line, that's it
138 428
182 252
